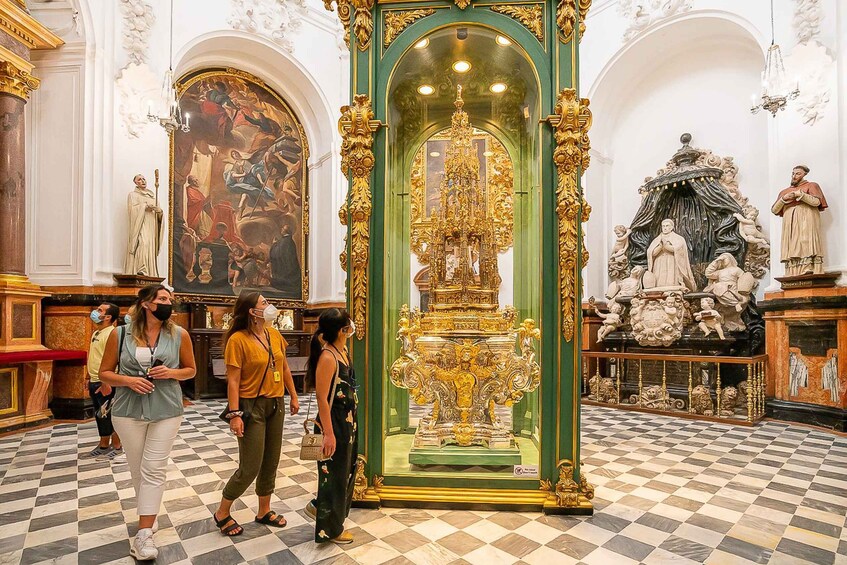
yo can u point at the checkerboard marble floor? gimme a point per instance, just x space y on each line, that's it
668 491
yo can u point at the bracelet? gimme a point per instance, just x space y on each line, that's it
234 414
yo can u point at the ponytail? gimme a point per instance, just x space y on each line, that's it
330 323
315 349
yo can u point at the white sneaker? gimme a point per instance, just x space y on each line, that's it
143 547
155 527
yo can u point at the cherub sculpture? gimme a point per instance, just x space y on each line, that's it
749 230
709 319
611 321
618 262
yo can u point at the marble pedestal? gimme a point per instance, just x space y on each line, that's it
806 333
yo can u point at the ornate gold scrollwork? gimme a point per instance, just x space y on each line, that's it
567 490
462 4
16 81
396 21
342 217
360 12
345 10
357 127
531 16
566 13
571 121
499 171
360 485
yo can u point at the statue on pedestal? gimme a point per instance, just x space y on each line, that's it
145 230
667 259
800 206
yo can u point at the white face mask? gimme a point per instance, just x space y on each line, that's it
270 313
352 328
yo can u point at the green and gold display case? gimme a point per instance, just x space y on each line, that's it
516 63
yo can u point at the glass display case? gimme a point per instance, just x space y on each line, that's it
462 253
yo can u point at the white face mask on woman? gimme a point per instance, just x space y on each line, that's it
351 329
270 313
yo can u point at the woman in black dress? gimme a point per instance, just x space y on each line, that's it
335 389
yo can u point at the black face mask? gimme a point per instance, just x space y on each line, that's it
163 311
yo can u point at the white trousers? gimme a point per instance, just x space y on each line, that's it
148 446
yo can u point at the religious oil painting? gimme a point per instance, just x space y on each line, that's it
239 194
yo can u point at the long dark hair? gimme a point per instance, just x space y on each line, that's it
138 315
330 323
245 302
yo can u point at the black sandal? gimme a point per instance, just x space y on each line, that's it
269 520
229 530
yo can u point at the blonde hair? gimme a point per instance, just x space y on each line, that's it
138 315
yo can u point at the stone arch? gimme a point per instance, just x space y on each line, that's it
278 68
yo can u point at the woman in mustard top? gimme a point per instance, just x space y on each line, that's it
257 376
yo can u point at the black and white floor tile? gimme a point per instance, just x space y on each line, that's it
668 492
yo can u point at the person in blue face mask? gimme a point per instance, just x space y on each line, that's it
105 318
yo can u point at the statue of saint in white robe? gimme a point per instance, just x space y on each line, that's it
145 229
667 259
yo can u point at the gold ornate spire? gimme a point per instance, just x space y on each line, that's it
464 272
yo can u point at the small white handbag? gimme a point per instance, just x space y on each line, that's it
311 446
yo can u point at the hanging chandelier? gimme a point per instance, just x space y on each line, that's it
776 89
172 118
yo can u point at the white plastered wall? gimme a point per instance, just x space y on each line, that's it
695 72
82 159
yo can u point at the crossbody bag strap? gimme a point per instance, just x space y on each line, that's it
121 346
265 374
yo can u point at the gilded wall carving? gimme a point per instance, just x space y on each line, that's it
571 121
531 16
397 21
357 127
566 17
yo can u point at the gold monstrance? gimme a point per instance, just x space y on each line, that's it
460 356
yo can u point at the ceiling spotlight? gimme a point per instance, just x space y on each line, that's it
503 41
422 44
435 154
425 89
461 33
461 66
497 88
487 153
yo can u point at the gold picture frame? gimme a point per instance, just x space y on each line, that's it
497 175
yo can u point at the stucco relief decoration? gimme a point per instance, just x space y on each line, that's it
815 71
808 15
278 20
138 20
136 82
641 14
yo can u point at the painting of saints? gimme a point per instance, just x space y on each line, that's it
239 186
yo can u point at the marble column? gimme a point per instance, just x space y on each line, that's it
12 169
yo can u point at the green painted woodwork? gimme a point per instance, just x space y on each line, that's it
550 416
